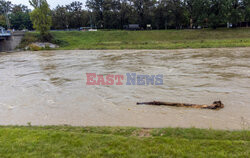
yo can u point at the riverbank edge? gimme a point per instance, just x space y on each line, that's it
133 131
106 50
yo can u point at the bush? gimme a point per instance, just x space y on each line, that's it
28 39
60 43
46 37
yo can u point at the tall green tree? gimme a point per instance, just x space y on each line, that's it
160 16
177 15
246 10
60 18
2 21
41 18
126 15
20 18
5 9
218 13
144 11
197 12
77 16
235 13
97 8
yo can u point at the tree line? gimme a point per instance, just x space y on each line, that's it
160 14
115 14
16 16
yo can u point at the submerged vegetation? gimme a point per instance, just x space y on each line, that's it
157 39
66 141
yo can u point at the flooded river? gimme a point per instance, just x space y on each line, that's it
49 88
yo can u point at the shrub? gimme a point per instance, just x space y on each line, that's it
28 39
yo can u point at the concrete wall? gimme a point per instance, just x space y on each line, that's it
12 42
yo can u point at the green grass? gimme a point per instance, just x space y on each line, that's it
66 141
156 39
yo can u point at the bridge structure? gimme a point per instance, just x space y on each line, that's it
4 34
9 41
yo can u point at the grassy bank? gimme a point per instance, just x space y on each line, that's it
65 141
156 39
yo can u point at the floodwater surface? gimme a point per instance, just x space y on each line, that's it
49 88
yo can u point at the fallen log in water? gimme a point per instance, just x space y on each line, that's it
215 106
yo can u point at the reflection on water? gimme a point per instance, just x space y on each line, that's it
50 88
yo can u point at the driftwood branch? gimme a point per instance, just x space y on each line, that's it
215 106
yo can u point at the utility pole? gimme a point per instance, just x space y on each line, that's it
91 22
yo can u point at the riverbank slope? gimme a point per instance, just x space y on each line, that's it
155 39
66 141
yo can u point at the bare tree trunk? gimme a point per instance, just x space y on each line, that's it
191 23
216 105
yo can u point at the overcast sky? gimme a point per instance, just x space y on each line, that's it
52 3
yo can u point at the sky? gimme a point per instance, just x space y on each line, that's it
52 3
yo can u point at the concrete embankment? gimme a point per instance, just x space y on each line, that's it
12 42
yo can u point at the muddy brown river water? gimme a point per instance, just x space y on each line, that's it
49 88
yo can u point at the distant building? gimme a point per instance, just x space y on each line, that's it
87 29
132 27
84 28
